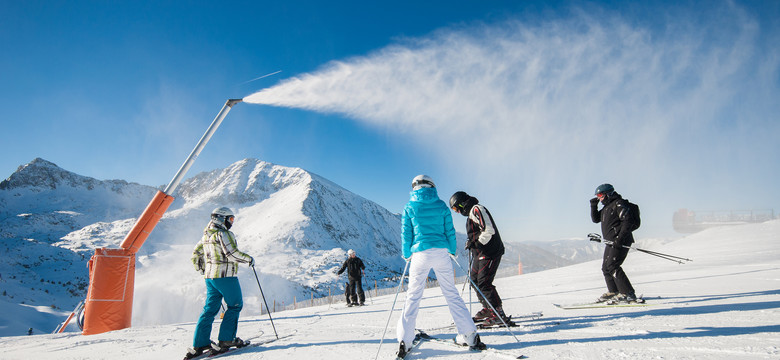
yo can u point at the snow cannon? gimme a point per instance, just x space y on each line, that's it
109 303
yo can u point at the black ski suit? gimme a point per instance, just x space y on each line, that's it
486 251
354 267
614 228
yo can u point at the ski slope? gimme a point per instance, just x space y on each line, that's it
723 305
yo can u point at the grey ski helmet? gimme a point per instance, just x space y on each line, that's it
421 181
605 189
223 216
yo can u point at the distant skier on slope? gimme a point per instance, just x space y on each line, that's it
355 270
428 238
616 228
486 248
217 257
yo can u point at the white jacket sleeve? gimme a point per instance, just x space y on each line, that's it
479 216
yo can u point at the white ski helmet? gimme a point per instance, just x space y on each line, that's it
421 181
350 252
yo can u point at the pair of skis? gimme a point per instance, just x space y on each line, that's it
516 320
423 336
512 321
640 302
230 351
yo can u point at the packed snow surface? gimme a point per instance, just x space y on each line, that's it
725 304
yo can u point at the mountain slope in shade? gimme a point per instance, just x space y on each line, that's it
40 204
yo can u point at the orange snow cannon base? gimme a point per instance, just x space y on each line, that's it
109 304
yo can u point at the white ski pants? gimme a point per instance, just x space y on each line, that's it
421 264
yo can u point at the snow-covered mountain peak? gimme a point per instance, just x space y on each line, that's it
43 174
246 181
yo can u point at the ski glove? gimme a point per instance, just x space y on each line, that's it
200 266
594 202
252 262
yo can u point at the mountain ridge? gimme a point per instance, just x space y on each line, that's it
298 224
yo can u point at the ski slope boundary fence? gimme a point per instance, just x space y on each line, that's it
337 295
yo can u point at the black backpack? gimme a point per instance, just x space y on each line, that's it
633 219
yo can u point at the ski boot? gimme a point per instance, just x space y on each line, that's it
482 315
625 299
496 319
224 346
198 351
402 350
632 299
478 344
607 296
471 340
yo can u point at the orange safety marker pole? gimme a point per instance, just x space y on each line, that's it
109 303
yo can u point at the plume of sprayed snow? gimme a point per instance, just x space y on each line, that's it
561 99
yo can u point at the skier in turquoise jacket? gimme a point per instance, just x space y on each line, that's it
427 223
428 242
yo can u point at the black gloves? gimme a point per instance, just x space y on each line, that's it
594 201
469 245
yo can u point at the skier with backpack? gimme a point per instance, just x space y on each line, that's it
618 218
217 257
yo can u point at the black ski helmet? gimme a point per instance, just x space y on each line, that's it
605 189
458 200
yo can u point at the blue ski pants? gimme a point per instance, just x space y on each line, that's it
217 289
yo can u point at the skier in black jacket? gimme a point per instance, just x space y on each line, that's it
354 267
617 234
486 248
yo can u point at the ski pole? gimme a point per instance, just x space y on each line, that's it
266 303
597 238
676 259
486 300
468 275
369 295
662 256
471 263
400 284
462 289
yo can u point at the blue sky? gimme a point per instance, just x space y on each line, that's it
528 105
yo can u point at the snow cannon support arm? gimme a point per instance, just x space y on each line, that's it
146 223
159 204
109 303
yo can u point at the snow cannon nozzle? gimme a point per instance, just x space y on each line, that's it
232 102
